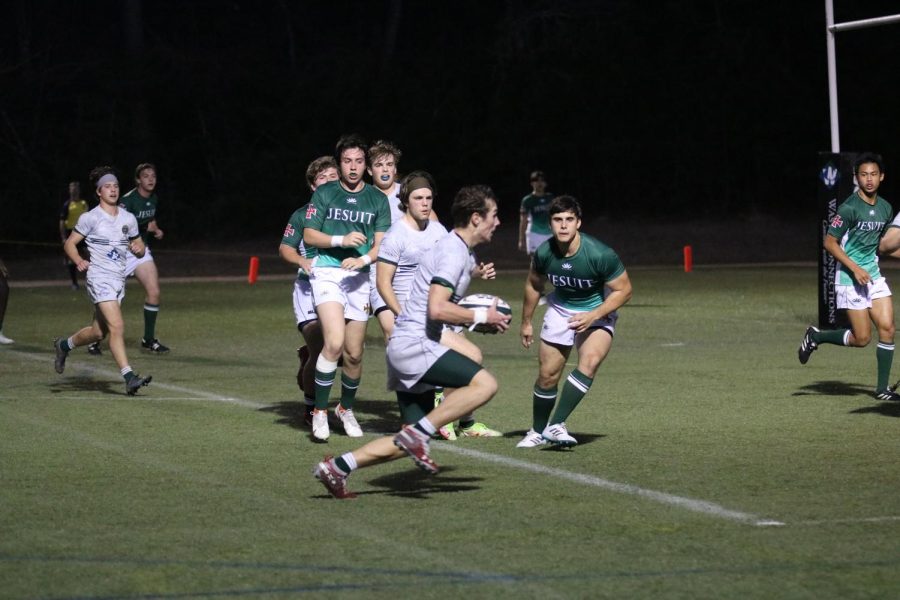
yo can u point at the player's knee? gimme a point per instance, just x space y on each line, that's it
860 340
486 383
353 357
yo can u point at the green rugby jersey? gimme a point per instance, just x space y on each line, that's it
858 226
293 236
579 279
537 207
143 209
335 211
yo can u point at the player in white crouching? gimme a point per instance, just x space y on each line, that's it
418 361
110 232
590 284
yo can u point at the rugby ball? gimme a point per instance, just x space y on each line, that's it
485 301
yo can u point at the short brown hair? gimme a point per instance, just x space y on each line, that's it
317 166
383 147
470 200
142 167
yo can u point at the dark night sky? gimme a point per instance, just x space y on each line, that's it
641 109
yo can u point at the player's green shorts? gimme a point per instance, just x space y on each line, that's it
452 370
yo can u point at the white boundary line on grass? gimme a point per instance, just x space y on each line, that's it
847 521
700 506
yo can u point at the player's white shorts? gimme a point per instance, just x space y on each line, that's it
533 240
375 300
102 289
304 307
408 359
350 288
859 297
132 261
555 329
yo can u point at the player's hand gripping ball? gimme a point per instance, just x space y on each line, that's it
473 301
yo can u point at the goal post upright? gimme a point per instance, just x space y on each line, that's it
835 175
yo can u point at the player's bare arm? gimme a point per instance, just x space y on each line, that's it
484 271
153 228
442 308
71 250
317 239
534 287
359 262
833 246
523 225
890 242
291 256
384 281
137 247
620 293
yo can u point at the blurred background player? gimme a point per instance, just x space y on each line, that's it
111 233
418 360
347 219
4 298
72 208
401 250
293 251
534 224
853 239
590 284
142 202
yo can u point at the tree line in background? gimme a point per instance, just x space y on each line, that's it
693 110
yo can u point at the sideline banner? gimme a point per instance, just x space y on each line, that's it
835 184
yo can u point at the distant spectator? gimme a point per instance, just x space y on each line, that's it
534 223
72 208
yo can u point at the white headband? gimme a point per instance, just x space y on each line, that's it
108 178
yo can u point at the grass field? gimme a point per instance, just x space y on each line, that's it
711 464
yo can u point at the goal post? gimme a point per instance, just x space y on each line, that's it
835 183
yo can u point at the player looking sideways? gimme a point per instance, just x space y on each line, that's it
854 238
347 220
590 285
292 250
402 248
418 361
110 231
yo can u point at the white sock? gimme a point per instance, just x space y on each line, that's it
426 425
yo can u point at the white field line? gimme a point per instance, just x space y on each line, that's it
699 506
691 504
847 521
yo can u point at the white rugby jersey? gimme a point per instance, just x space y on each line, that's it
448 263
107 237
404 246
397 213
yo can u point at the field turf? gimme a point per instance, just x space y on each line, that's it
711 464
